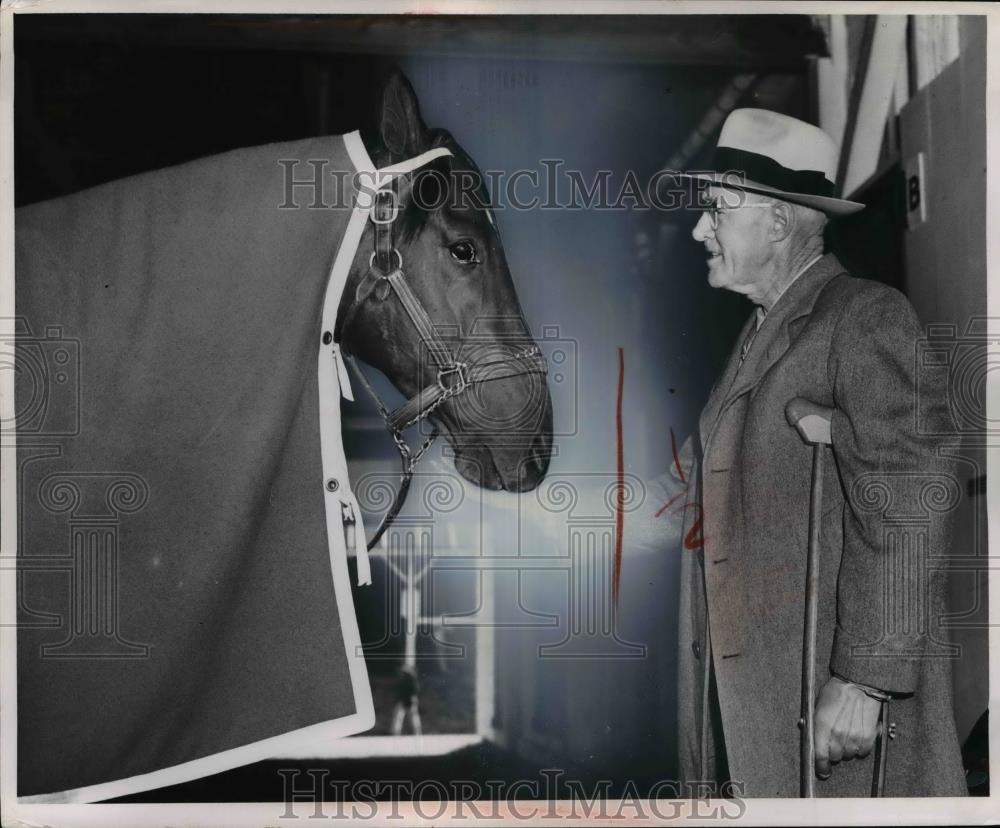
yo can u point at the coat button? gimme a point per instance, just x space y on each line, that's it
696 649
332 484
327 337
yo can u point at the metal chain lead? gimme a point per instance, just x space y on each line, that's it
407 456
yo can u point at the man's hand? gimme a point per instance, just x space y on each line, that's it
846 724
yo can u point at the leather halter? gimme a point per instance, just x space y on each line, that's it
385 277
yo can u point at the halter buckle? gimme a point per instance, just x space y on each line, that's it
460 384
385 207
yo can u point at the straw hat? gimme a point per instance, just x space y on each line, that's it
765 152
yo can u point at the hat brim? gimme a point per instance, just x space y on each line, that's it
825 204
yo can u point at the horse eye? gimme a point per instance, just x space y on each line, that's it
464 252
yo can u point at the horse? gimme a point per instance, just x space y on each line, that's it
501 435
181 346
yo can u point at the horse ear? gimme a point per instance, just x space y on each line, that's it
403 130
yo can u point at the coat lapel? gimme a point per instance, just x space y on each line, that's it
720 391
772 341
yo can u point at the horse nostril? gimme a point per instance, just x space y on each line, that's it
531 471
542 452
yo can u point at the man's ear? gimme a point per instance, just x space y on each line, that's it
782 221
402 129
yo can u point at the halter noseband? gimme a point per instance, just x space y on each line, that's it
453 376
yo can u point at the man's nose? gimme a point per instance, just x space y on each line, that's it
703 228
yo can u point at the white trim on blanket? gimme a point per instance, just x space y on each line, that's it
341 506
341 503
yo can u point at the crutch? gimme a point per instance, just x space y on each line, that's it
812 421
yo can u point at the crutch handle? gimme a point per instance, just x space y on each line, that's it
810 419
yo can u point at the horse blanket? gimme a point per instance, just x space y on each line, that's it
184 597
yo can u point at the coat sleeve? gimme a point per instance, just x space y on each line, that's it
900 493
658 523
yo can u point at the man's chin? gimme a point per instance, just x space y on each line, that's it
714 274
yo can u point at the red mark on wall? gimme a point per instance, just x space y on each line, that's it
694 539
620 493
669 503
677 460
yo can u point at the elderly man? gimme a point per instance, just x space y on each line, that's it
848 344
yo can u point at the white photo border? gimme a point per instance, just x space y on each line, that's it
925 811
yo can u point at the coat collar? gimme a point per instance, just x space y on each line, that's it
771 342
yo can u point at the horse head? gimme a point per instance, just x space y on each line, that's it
479 377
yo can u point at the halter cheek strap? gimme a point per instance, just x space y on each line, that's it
383 214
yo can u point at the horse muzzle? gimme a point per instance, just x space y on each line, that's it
501 434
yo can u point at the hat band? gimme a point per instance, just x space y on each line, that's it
764 170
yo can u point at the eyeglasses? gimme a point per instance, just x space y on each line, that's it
722 204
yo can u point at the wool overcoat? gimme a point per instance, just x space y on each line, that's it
889 493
